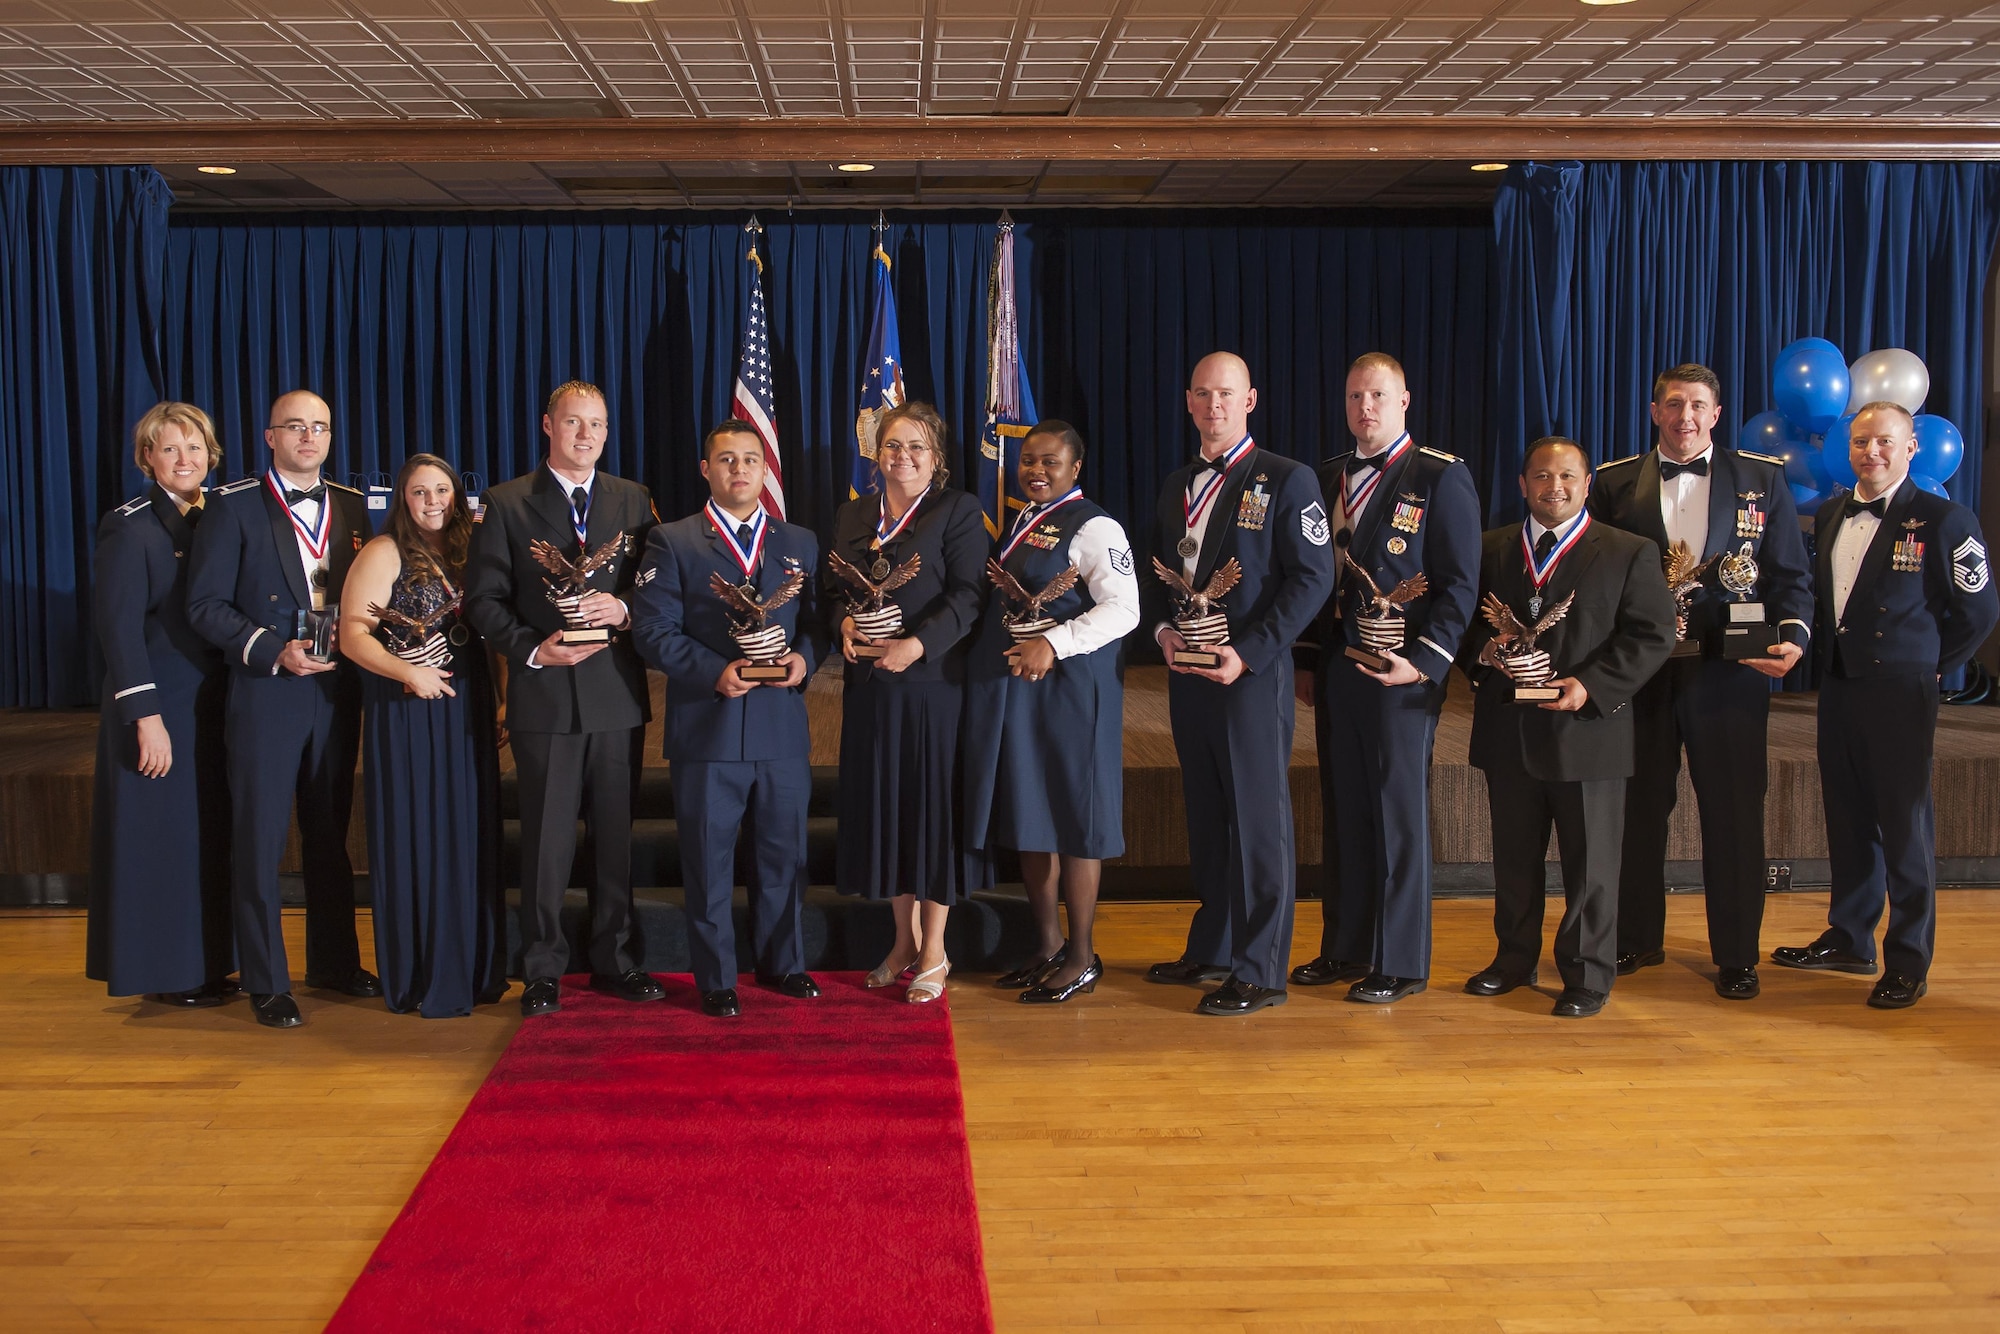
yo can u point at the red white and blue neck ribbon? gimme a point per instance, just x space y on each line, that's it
1539 571
313 538
886 532
1354 492
1195 505
1030 517
748 558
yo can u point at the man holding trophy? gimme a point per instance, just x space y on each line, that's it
1725 520
1406 525
547 585
725 604
1576 618
1243 559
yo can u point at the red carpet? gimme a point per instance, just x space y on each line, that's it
642 1167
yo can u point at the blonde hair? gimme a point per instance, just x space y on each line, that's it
582 388
1379 361
184 415
926 416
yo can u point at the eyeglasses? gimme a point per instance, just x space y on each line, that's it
913 451
302 429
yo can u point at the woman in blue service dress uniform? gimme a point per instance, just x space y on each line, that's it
431 771
1044 754
900 776
159 867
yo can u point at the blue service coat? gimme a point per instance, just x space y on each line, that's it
1928 620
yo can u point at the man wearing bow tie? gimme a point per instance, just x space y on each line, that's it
1721 503
1401 511
739 748
576 712
268 562
1904 593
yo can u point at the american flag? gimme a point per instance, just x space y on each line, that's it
753 380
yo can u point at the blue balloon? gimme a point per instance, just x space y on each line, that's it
1925 482
1804 497
1834 456
1940 448
1769 433
1810 384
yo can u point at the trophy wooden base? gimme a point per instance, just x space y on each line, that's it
1368 658
1748 641
763 673
1537 694
869 652
1206 658
1686 648
596 634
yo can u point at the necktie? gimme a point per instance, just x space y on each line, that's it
1877 507
1358 464
1670 470
579 506
293 497
193 516
1545 544
744 532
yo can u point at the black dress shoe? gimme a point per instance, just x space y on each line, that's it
1031 973
720 1004
1186 972
1497 982
1234 997
360 982
205 998
1381 989
1044 994
1579 1003
799 986
1897 991
1629 964
1821 957
1323 972
279 1011
633 985
541 996
1737 984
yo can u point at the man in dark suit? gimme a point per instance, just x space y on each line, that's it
270 558
1904 593
576 713
737 747
1718 502
1565 762
1401 511
1233 722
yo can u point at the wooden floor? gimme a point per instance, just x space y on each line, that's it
1449 1163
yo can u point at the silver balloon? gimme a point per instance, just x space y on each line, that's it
1890 375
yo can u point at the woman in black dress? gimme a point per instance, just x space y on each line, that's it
431 770
1045 770
900 782
159 866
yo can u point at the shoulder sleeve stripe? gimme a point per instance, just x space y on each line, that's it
1438 454
1761 458
350 490
1613 463
240 484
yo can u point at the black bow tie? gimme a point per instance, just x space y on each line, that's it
1670 470
1359 464
293 497
1877 507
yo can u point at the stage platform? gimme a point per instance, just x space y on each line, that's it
46 760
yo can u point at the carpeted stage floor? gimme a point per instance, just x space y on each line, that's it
1679 1163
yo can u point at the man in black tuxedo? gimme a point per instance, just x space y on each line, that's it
1904 593
576 712
1719 502
1565 761
272 549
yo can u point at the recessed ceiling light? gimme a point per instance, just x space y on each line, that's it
217 171
854 166
1489 166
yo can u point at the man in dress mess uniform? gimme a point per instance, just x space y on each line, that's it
1233 722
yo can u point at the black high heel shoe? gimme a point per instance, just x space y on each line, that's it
1047 995
1031 974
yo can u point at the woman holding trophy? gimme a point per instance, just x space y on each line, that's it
432 774
904 582
1048 779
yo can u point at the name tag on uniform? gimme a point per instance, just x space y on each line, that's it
1409 512
1750 519
1907 556
1252 510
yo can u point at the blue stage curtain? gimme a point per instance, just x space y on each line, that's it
79 305
1610 272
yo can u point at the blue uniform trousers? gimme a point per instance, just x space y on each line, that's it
1235 748
711 799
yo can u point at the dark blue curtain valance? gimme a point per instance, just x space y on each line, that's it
1609 272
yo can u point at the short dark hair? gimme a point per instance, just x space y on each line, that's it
729 426
927 419
1062 431
1688 372
1550 442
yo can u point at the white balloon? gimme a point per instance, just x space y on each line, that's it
1889 375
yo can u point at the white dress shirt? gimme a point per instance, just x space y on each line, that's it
1103 557
308 512
1684 504
1850 544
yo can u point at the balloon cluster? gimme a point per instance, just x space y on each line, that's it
1817 395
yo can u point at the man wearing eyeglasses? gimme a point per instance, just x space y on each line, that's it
264 579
